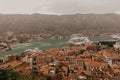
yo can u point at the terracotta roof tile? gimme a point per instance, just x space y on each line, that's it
11 64
95 64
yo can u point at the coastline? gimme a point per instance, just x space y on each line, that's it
23 44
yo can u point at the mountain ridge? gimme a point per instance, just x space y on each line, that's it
60 24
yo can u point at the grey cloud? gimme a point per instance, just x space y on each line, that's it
84 6
59 6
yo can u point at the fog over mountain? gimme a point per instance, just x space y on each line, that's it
58 6
60 24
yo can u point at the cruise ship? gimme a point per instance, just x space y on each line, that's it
78 40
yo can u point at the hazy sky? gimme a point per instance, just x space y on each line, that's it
59 6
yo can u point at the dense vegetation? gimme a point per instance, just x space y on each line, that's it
9 74
60 25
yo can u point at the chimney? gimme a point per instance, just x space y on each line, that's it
92 58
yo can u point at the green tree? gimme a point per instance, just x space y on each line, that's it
9 74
